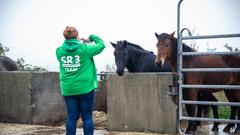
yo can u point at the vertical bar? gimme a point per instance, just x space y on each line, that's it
179 64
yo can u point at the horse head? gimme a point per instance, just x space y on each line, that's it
121 56
166 48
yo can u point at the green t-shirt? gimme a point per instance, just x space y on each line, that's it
77 68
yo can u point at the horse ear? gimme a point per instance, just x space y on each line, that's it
113 44
156 35
172 34
124 43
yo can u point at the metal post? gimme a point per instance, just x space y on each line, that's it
179 65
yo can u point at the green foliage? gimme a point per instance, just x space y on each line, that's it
27 67
223 112
3 49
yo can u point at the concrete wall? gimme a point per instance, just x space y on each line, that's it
100 101
31 98
140 102
27 97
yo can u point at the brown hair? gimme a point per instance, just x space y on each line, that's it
70 32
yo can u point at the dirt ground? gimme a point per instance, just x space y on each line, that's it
100 121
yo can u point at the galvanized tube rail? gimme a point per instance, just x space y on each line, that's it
210 103
196 86
210 53
210 119
211 70
211 36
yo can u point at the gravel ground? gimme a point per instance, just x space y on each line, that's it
25 129
100 121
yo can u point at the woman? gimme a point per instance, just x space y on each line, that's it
78 78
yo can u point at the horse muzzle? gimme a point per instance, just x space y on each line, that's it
120 72
159 64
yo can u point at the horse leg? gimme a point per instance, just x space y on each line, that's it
192 125
210 97
199 108
215 113
233 112
237 130
191 109
236 98
232 116
199 113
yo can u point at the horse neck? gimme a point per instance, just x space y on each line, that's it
130 66
173 60
187 59
135 56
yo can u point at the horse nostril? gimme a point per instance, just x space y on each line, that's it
159 63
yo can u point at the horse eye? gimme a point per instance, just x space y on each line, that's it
165 44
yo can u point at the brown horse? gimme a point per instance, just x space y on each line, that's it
167 51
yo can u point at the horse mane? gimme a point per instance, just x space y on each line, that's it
137 47
187 48
132 45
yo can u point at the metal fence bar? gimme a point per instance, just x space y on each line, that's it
211 70
211 36
210 119
211 53
210 103
212 86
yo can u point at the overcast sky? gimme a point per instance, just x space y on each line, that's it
32 29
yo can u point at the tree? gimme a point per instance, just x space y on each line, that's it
110 68
230 48
27 67
3 49
210 49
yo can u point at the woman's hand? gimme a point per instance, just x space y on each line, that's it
84 40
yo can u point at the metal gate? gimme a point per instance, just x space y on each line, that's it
181 70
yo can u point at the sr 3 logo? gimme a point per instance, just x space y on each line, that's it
70 63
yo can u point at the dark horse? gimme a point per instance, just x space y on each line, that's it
167 51
135 59
7 64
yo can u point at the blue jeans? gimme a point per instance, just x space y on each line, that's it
80 104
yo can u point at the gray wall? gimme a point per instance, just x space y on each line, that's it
27 97
140 102
31 98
